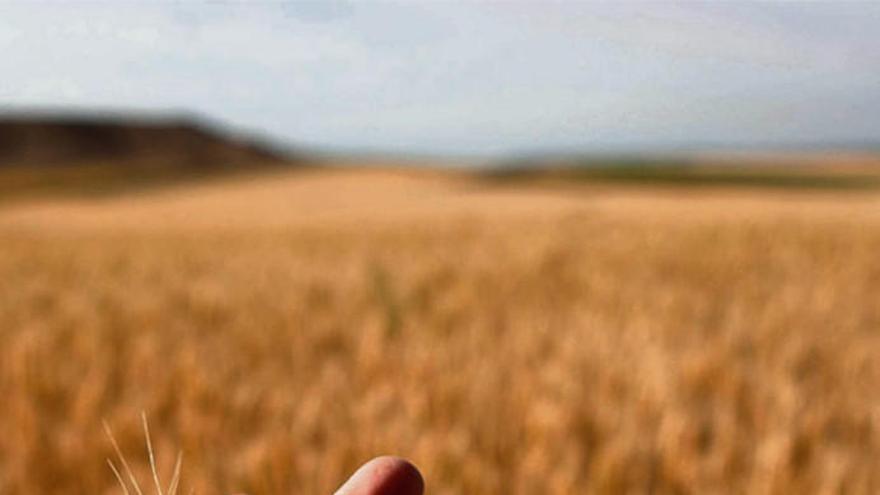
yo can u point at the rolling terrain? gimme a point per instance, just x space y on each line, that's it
793 170
87 155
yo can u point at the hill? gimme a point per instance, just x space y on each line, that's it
831 169
88 154
73 139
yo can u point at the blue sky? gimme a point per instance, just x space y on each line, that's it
462 78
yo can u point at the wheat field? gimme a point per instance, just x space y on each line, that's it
280 330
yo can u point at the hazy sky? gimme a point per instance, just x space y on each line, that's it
459 77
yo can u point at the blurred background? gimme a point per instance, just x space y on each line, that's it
533 247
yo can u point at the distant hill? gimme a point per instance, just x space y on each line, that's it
50 155
826 169
69 140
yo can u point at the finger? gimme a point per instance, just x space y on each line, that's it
384 476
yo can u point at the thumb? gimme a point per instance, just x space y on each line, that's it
384 476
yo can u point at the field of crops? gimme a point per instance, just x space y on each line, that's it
508 339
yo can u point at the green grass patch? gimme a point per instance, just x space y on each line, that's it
673 173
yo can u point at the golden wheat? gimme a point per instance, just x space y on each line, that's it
132 479
506 341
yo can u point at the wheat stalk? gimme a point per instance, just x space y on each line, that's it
173 484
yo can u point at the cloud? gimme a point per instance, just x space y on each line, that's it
478 78
323 11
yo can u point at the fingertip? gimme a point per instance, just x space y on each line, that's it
385 475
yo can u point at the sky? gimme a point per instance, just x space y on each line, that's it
462 78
